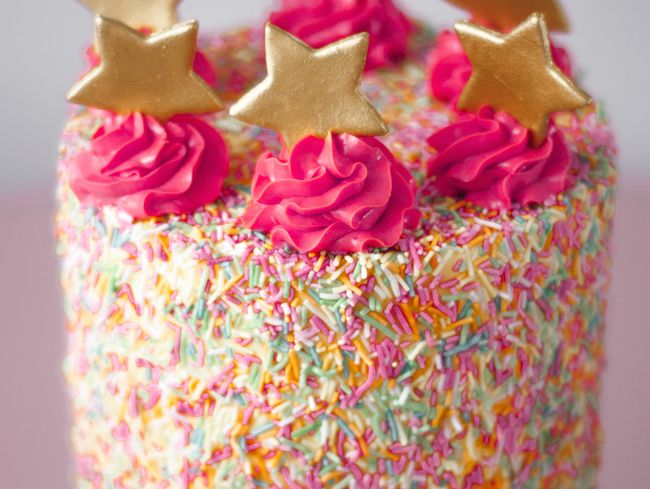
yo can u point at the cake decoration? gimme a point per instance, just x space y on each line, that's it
150 156
507 14
341 194
501 154
147 16
150 14
332 188
152 74
202 65
486 158
148 168
322 22
449 66
515 73
311 92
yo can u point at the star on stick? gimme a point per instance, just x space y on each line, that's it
311 92
506 14
152 75
154 14
515 73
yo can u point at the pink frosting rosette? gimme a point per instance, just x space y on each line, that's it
486 158
148 168
450 68
342 194
322 22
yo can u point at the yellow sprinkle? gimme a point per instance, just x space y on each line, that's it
379 318
327 363
484 280
239 429
319 455
335 398
319 263
495 246
362 352
226 288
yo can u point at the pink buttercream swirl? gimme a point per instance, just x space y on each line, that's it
148 169
342 194
486 158
321 22
450 68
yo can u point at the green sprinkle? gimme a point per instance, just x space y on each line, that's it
387 332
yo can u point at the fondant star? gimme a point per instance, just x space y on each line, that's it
515 73
311 92
154 14
506 14
148 74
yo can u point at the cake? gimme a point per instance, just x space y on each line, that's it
212 345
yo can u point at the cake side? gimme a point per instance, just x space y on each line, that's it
200 355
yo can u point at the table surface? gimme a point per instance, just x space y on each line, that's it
33 417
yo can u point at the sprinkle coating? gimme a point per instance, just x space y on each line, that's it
201 356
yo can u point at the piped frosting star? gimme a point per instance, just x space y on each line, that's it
506 14
311 92
515 73
152 75
154 14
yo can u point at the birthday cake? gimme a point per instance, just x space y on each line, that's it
398 282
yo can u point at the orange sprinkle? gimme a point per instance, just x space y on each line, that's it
481 260
352 287
477 241
330 476
462 322
295 367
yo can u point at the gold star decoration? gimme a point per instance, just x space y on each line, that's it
148 74
506 14
311 92
515 73
154 14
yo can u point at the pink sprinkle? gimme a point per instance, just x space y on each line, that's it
247 359
133 402
219 455
175 354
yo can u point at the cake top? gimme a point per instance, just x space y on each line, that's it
485 144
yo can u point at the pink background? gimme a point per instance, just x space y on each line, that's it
33 443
